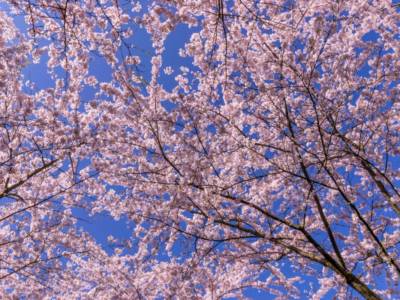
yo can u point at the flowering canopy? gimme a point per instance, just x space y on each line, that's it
273 163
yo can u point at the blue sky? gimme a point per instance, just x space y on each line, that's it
102 225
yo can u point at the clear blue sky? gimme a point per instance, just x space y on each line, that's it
102 225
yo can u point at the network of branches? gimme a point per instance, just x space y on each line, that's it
272 164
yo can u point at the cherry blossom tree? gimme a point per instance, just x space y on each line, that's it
273 164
